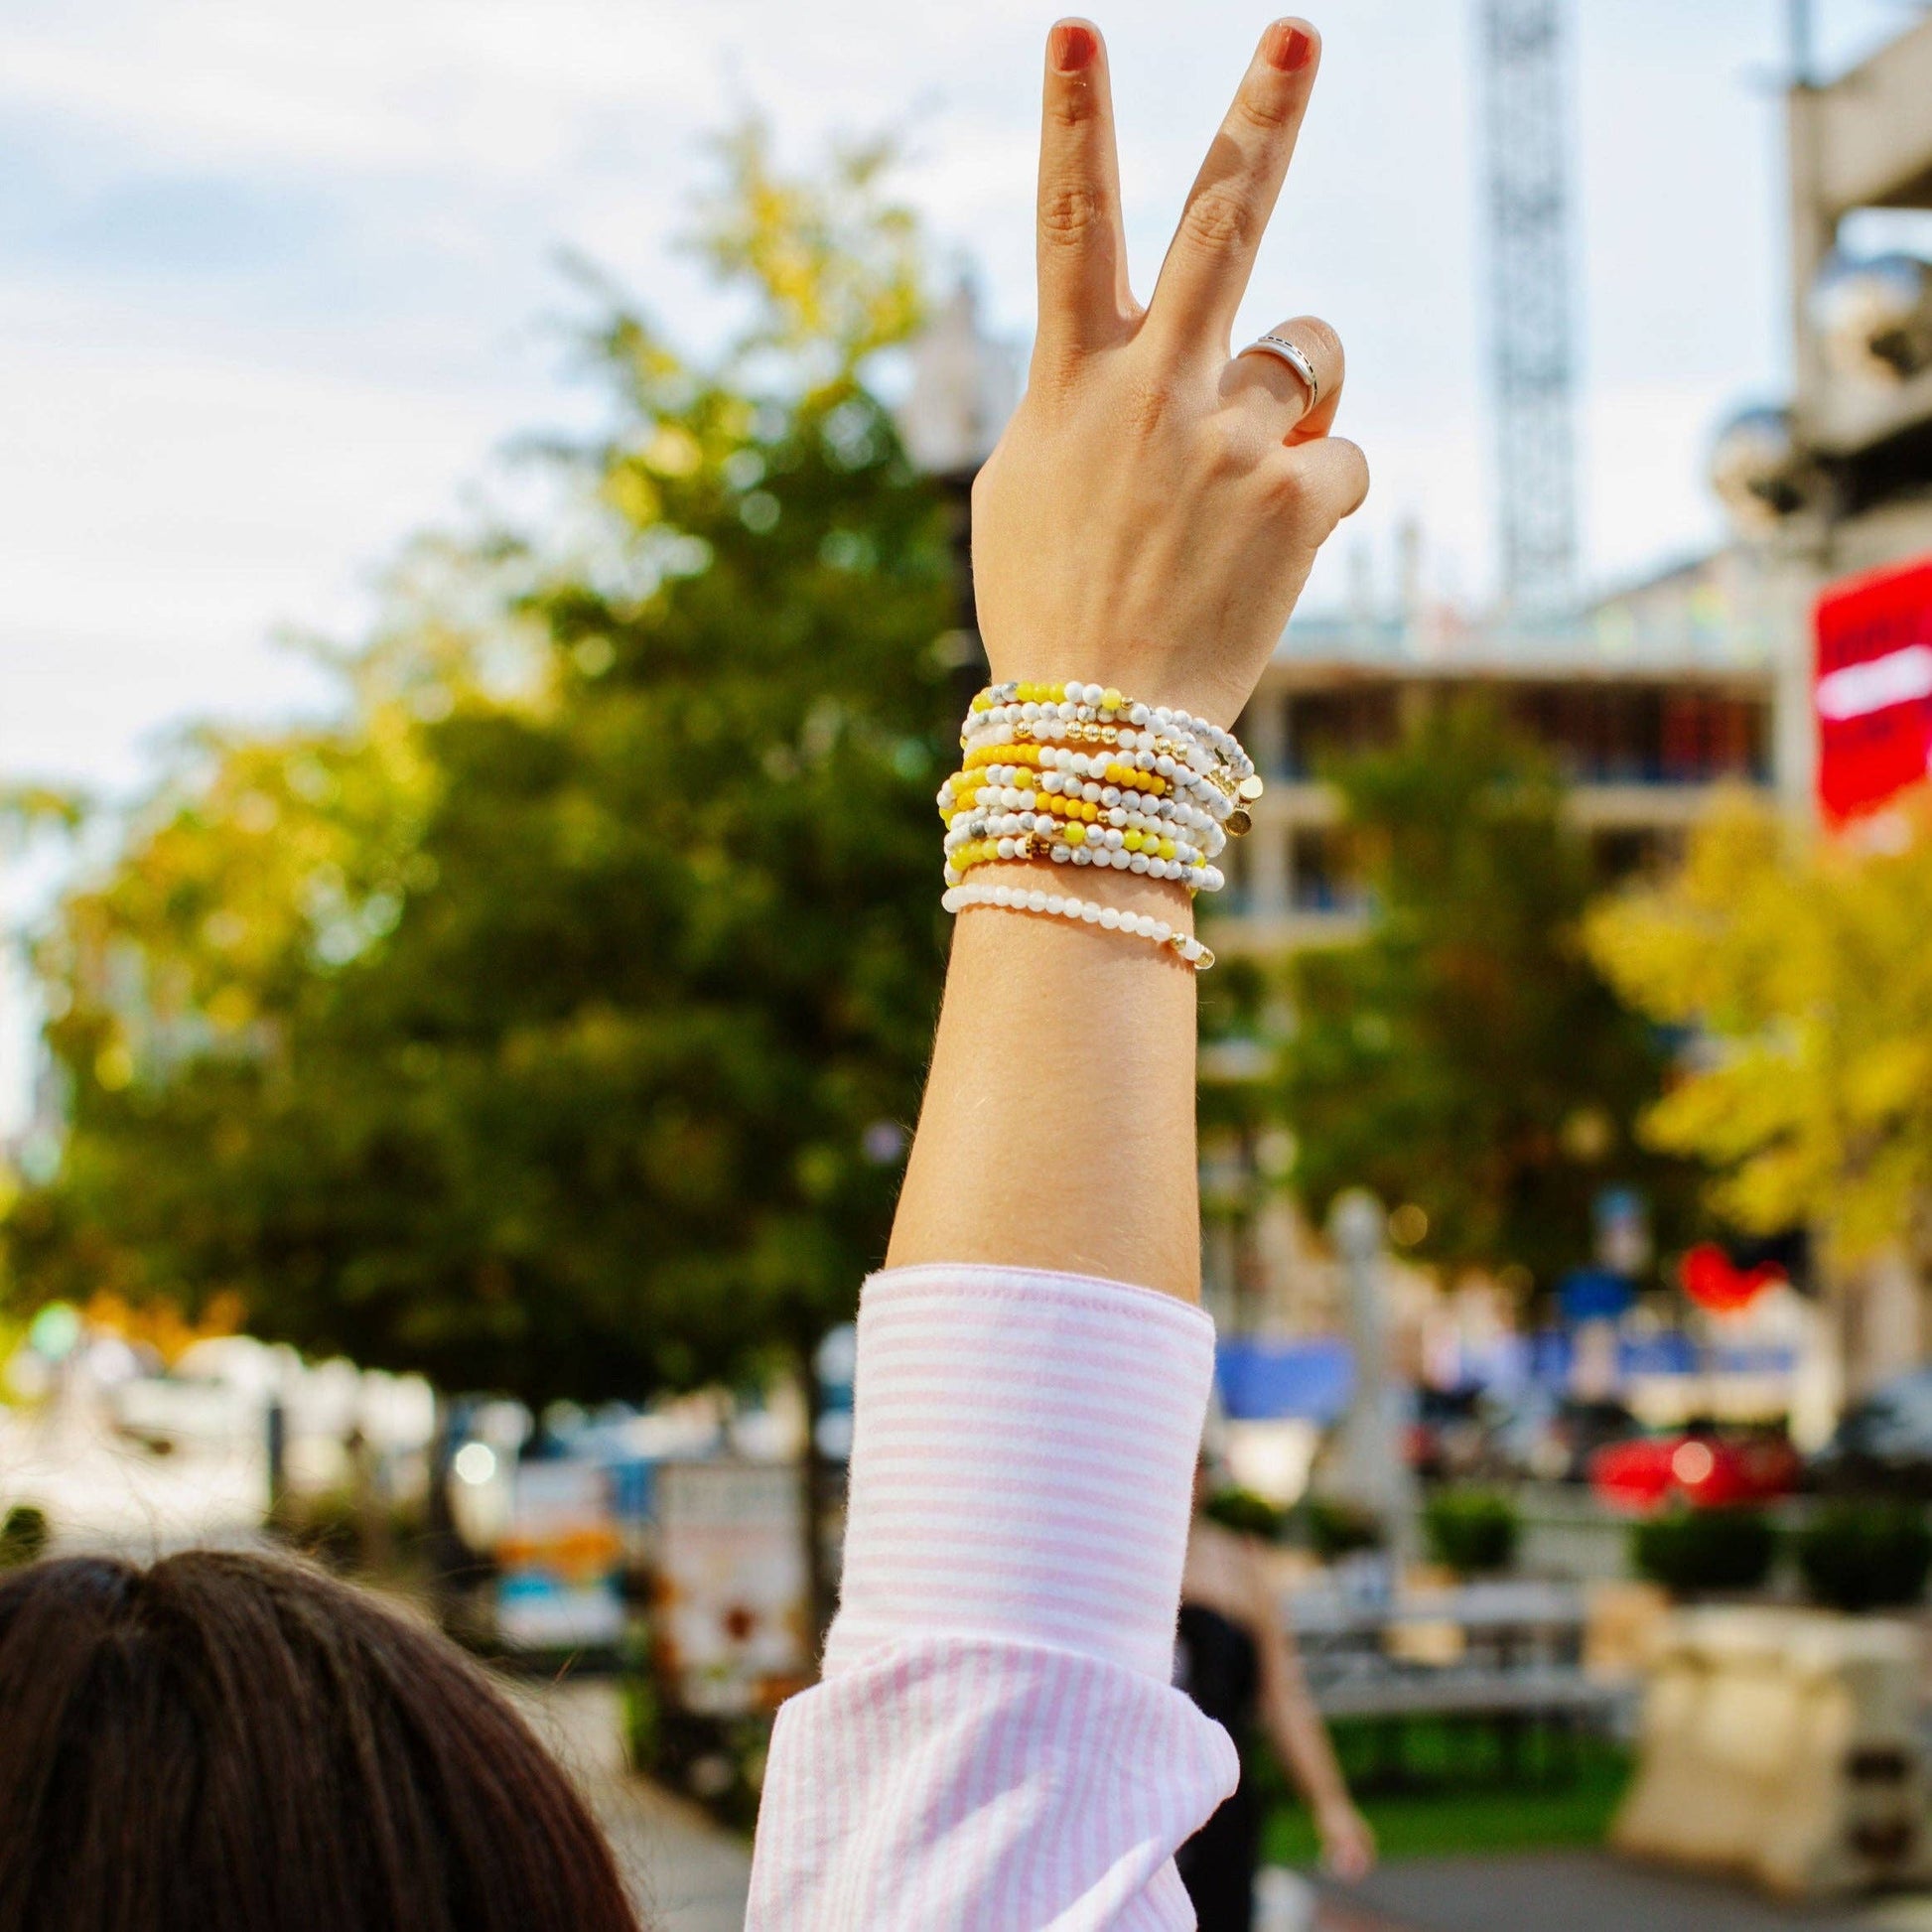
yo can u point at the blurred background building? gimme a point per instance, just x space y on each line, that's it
1650 698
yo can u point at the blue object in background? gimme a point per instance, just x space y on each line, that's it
634 1490
1311 1378
1266 1381
1595 1294
1668 1352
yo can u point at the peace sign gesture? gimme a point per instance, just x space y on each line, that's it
1152 513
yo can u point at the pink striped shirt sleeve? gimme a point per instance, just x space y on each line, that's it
996 1744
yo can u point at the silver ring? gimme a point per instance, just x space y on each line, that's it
1296 356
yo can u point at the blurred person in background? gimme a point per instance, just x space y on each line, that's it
1236 1658
995 1741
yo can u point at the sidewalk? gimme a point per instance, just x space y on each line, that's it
689 1875
1590 1892
685 1874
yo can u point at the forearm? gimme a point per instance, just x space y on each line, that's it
1058 1124
1023 1439
1306 1754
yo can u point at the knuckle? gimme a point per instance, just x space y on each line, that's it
1053 375
1326 344
1219 219
1358 495
1230 445
1261 110
1285 486
1070 107
1323 335
1151 405
1070 213
1058 379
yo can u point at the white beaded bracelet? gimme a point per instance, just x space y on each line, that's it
997 786
1143 925
1083 702
1220 789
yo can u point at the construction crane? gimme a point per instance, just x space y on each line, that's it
1524 102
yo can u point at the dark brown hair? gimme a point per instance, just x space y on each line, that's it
231 1743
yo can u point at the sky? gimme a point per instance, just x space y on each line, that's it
279 282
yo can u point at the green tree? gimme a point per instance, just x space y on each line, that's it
1465 1057
550 1021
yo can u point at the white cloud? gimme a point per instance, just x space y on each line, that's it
213 455
204 447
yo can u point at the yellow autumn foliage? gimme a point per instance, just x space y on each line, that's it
1800 965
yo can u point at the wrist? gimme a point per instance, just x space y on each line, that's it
1127 892
1043 894
1176 679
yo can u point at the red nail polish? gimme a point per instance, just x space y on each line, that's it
1288 46
1074 46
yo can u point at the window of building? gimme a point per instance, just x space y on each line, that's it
1326 878
1321 726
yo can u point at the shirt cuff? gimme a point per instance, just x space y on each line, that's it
1023 1464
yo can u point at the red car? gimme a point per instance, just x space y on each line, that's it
1701 1467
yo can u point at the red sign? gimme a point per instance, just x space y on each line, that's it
1873 688
1714 1281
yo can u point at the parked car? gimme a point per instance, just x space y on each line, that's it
1708 1468
1882 1445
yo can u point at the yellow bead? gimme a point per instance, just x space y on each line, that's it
1166 848
1110 699
1076 834
1133 841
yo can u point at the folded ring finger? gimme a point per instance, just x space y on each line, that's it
1292 375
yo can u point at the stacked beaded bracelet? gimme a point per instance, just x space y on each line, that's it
1091 713
1079 774
1099 780
974 801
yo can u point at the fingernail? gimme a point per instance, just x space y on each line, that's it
1074 46
1288 46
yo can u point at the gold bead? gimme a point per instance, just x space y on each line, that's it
1251 788
1238 823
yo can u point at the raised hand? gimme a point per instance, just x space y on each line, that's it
1152 513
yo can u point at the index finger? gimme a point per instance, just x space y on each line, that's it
1082 250
1212 253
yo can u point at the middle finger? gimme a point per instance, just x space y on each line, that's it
1208 262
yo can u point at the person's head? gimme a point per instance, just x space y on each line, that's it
231 1743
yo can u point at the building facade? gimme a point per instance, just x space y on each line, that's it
1645 704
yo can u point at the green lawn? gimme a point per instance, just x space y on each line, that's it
1453 1791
